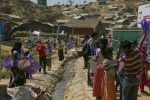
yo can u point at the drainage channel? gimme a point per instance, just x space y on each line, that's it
58 94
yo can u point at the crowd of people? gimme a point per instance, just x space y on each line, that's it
128 69
22 65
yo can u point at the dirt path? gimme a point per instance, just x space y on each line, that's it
78 89
41 80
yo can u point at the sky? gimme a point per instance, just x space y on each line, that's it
52 2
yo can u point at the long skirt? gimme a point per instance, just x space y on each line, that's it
61 55
110 92
143 80
99 83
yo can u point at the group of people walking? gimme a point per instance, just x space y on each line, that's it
19 74
105 72
22 65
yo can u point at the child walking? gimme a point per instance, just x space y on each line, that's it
48 55
110 71
120 76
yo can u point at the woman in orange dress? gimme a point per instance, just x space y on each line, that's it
98 84
109 65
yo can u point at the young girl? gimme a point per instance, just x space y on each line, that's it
110 71
120 56
48 54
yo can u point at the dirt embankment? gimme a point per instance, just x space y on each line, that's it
78 89
41 80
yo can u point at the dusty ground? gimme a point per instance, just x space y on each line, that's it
39 79
77 89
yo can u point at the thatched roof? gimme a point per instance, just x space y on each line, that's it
82 23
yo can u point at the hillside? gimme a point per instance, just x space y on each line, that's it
28 10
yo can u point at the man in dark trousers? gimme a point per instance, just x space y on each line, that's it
42 55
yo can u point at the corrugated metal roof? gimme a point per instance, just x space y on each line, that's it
83 23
